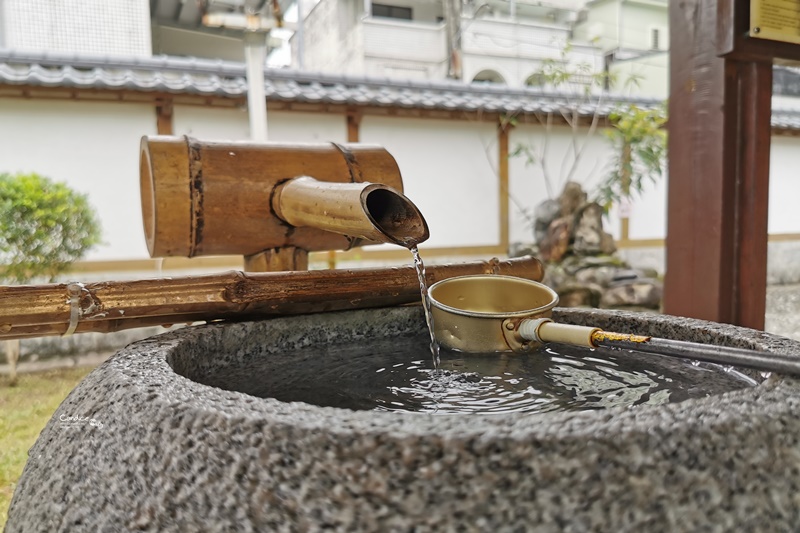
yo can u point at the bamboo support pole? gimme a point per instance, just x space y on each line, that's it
58 309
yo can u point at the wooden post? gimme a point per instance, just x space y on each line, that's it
12 356
353 126
503 175
752 202
696 197
719 147
353 118
625 221
164 125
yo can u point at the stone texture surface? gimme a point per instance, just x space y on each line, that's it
157 451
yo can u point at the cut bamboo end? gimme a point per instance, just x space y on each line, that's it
166 196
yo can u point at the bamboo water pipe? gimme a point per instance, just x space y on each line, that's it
58 309
218 198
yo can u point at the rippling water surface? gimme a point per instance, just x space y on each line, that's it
398 375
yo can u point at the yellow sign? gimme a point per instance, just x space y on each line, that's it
776 20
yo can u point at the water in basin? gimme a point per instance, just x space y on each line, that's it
397 374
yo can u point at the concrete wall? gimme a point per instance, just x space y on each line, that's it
381 47
333 38
402 49
421 10
601 25
178 42
513 50
638 21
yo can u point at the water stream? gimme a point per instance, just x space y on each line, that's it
426 303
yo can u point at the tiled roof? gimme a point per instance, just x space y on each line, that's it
227 79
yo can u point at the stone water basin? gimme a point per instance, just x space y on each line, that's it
158 445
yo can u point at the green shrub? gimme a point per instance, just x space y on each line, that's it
44 227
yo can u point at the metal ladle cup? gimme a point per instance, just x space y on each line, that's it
482 313
493 313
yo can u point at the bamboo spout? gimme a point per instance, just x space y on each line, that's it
214 198
366 210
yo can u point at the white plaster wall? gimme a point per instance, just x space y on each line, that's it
527 183
784 185
209 123
648 216
528 186
449 172
94 148
307 127
232 124
786 103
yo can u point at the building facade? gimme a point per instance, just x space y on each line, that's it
497 42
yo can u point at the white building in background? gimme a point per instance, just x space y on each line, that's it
94 27
75 99
633 37
496 41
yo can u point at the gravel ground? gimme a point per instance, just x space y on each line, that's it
783 310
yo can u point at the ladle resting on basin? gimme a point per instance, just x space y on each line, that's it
489 313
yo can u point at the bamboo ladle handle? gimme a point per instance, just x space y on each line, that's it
544 330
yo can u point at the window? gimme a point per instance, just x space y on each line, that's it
654 39
391 12
488 76
535 80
